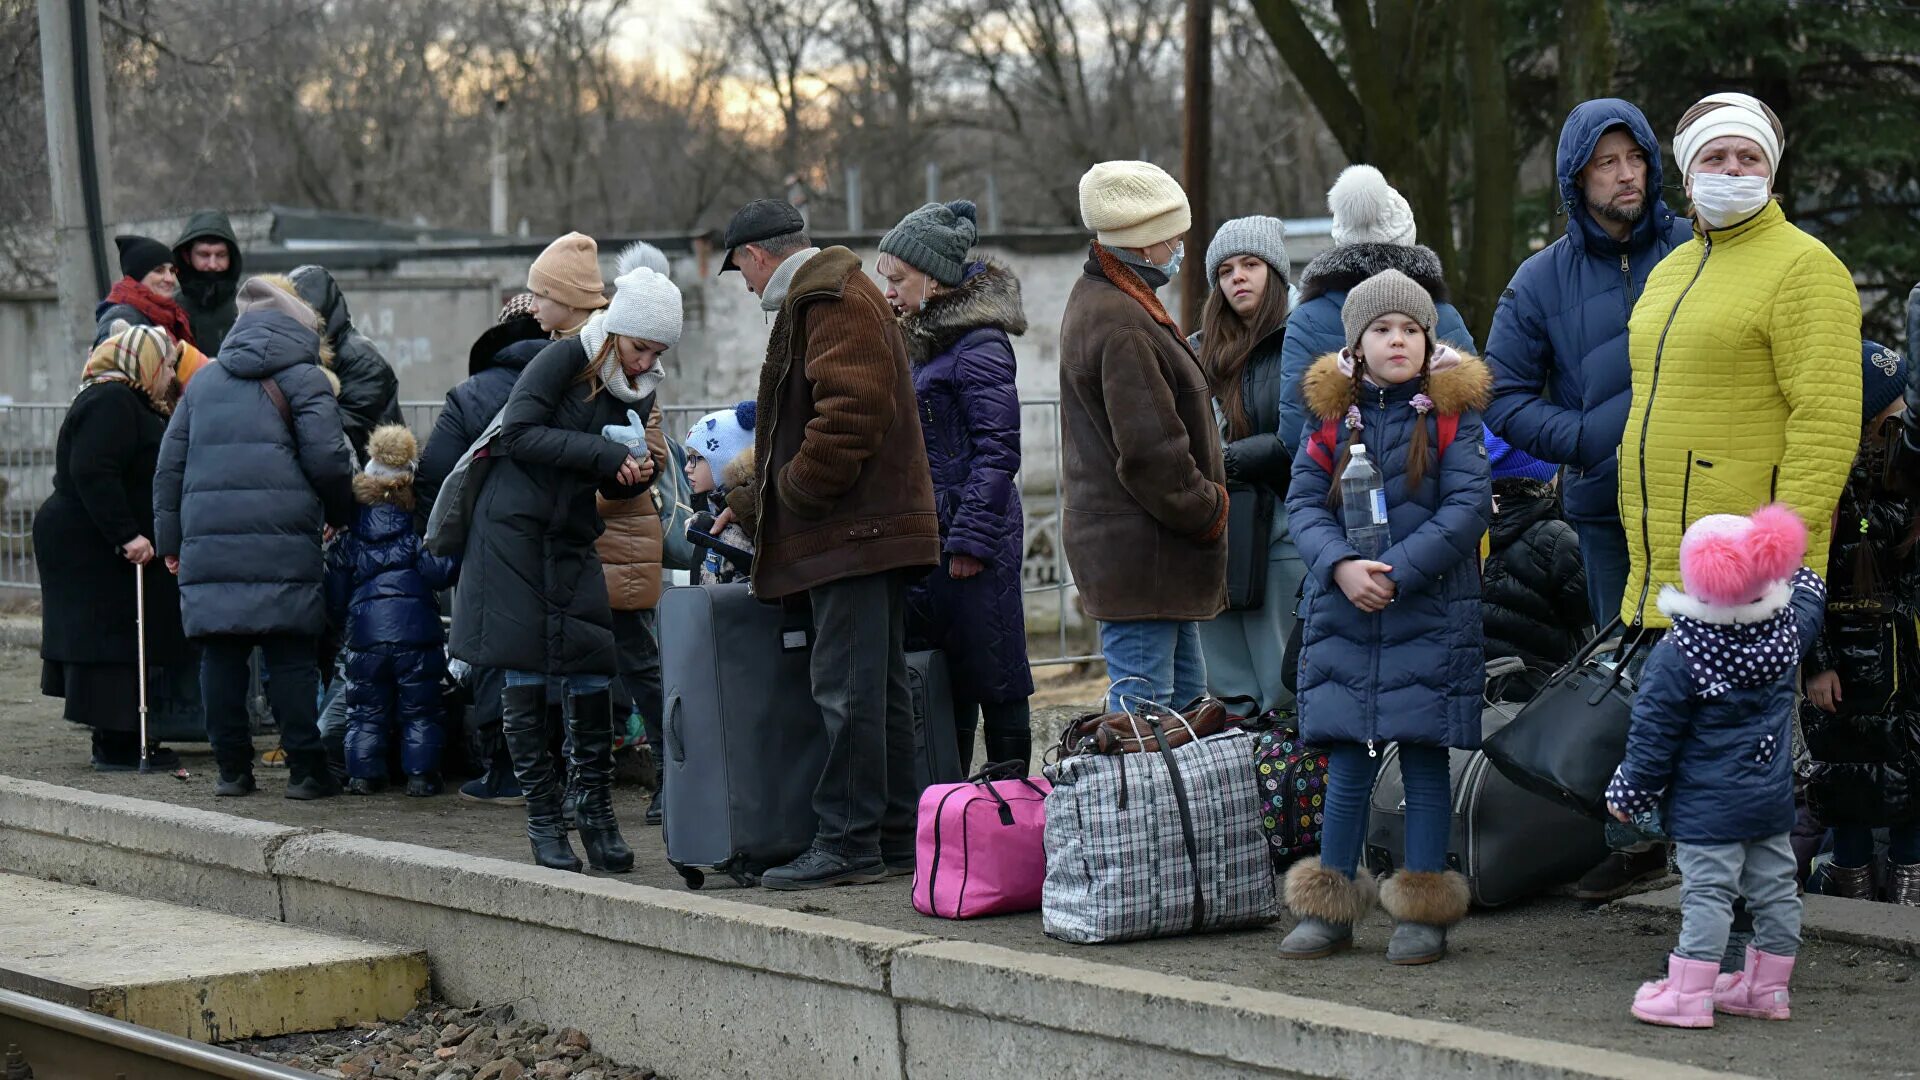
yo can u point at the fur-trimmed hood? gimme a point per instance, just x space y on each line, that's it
1464 384
988 298
742 493
1340 268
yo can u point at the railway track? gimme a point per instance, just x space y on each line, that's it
58 1042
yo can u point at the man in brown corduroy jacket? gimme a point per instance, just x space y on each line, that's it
846 517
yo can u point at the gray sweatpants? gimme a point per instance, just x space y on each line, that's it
1713 876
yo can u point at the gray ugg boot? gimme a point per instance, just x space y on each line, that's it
1328 903
1423 905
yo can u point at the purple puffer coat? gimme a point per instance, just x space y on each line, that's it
963 375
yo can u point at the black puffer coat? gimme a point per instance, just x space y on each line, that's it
1866 756
529 557
1533 586
241 498
1259 468
369 391
103 498
495 364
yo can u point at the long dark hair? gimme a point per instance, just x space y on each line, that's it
1416 447
1227 341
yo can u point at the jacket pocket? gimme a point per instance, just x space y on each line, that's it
1725 485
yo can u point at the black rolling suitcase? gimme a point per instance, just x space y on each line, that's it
1506 841
936 745
744 740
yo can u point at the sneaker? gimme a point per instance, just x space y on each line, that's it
422 786
233 785
495 789
308 788
362 785
899 865
1622 872
817 869
275 758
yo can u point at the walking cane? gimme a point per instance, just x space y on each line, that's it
140 633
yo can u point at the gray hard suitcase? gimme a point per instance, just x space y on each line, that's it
1508 842
744 740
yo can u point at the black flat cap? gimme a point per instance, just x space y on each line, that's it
761 219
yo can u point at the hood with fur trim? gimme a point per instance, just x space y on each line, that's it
1466 384
1340 268
742 493
988 298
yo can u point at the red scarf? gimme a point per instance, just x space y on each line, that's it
160 311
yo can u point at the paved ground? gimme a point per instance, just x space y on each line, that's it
1553 968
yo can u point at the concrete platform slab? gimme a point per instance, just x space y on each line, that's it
1887 927
197 974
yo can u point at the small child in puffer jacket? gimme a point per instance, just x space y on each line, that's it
1711 749
720 473
381 583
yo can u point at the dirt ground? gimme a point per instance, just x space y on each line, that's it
1553 968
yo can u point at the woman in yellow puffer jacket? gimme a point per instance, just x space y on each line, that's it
1745 348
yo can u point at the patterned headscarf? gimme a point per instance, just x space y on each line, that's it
138 355
520 307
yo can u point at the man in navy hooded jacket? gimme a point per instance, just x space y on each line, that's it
1558 348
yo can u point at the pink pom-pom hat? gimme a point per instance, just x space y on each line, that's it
1729 561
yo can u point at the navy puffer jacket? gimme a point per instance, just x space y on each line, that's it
1414 673
240 497
1558 347
381 579
1720 768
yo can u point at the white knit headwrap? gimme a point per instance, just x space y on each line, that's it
1739 114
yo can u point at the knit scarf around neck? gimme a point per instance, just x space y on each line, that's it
593 338
159 310
1129 281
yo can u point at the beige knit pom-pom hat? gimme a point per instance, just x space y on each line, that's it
1133 204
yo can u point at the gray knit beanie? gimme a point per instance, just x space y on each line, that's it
1265 237
1385 293
935 240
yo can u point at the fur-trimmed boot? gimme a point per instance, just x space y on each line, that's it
1423 905
1328 903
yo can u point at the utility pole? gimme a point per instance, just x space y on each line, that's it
854 220
497 168
75 85
1197 158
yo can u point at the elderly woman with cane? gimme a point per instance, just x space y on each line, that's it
92 539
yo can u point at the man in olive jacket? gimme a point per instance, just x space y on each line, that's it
1146 505
846 517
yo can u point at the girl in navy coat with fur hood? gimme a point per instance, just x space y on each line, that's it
1391 649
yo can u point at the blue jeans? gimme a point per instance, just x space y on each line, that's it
1603 554
1429 788
576 685
1853 845
1164 654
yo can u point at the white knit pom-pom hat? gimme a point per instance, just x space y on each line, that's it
1367 210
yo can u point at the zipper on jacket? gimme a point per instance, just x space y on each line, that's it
1646 418
1626 284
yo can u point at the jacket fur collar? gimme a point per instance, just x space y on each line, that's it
1339 269
370 490
989 300
1327 392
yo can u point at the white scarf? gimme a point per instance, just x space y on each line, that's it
593 336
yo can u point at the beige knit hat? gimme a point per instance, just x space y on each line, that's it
568 272
1385 293
1133 204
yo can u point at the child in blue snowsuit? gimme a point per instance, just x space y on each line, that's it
381 583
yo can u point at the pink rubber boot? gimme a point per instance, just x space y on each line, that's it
1760 991
1683 999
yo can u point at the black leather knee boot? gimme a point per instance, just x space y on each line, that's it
523 726
590 718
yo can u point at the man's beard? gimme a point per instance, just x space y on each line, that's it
1625 215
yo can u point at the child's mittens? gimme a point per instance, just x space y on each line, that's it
631 433
1628 801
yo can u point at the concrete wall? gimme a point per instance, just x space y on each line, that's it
701 987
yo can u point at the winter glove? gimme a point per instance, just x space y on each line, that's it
632 433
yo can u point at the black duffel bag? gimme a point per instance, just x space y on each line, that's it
1565 743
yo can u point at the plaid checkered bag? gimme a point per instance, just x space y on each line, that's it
1156 844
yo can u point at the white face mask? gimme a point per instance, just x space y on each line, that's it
1172 265
1728 200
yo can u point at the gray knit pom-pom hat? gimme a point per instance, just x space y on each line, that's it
935 240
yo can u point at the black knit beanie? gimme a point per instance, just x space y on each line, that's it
141 255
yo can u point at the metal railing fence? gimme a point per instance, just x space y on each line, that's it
1057 633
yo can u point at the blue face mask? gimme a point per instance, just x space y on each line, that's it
1172 265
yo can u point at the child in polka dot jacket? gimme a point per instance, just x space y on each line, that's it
1711 750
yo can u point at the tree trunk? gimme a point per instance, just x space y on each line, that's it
1495 179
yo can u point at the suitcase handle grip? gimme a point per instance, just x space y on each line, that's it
677 744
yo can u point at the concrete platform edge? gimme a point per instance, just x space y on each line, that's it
739 990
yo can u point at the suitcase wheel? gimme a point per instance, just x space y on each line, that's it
692 877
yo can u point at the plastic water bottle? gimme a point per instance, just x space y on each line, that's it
1363 505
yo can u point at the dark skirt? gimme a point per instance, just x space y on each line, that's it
105 697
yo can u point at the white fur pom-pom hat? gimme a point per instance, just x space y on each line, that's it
1367 210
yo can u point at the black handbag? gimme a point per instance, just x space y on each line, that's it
1566 742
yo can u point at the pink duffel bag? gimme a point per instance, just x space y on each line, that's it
981 847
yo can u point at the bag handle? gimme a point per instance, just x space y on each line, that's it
1186 812
271 387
